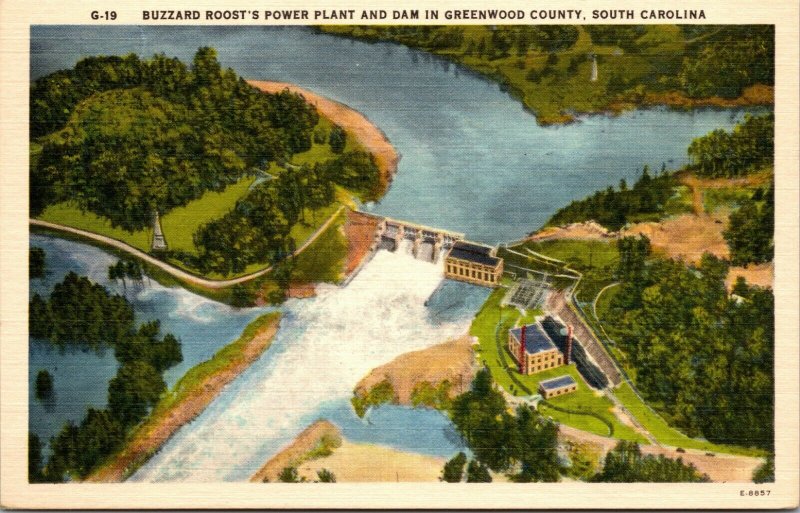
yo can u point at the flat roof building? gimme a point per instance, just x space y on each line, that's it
557 386
474 264
539 353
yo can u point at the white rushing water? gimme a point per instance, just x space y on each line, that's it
324 347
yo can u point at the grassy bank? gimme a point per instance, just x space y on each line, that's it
550 74
584 405
665 434
188 398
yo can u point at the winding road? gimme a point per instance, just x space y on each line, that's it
171 269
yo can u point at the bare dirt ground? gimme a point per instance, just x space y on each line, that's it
361 463
452 360
160 426
720 467
686 237
762 275
355 123
588 230
300 290
293 453
359 229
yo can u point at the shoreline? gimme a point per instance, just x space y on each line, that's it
353 121
188 398
321 446
322 436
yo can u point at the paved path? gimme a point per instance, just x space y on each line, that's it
171 269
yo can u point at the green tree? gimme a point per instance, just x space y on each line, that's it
337 138
627 464
133 391
534 444
35 461
36 263
453 470
478 473
765 473
289 475
44 384
326 476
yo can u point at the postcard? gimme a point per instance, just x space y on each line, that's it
399 255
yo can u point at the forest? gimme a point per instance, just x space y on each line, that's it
614 208
703 357
750 231
125 137
85 315
523 444
749 147
257 229
627 464
548 67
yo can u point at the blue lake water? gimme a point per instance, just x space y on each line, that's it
81 377
473 160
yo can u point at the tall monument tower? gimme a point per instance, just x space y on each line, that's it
159 242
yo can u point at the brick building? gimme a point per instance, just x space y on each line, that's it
474 264
540 353
557 386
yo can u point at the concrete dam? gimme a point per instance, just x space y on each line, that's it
423 242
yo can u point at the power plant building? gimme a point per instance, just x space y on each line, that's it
557 386
474 264
534 350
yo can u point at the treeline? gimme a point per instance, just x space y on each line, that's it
627 464
257 229
75 314
751 229
722 60
524 445
614 208
36 263
79 312
705 359
501 42
702 61
749 147
128 137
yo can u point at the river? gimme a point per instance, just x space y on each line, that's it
473 160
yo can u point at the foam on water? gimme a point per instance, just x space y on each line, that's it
324 347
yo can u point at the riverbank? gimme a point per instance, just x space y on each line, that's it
560 83
188 398
354 122
359 231
426 377
317 440
321 446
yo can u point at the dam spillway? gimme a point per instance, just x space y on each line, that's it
423 242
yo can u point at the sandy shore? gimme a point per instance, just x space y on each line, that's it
166 420
363 463
720 467
452 361
298 450
349 462
355 123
